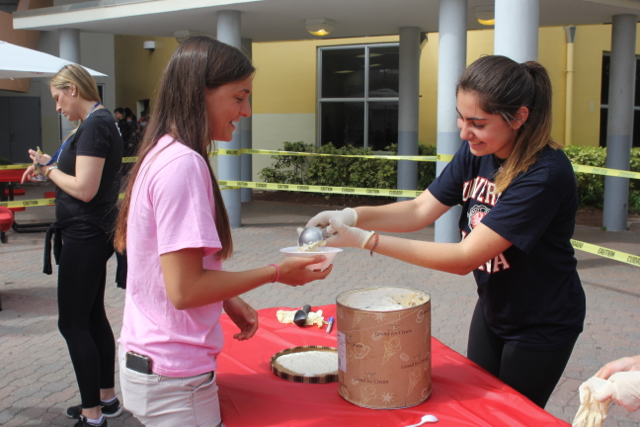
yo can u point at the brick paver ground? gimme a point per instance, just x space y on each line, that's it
37 381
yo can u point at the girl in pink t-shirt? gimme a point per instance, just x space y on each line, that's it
175 229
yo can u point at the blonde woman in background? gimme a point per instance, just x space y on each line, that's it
86 172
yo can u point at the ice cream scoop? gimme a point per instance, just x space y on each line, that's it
310 235
301 315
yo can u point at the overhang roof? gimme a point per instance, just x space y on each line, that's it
283 20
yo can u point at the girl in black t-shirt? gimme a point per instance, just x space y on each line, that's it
519 199
86 172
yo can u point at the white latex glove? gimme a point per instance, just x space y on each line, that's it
347 237
623 388
346 216
313 318
591 412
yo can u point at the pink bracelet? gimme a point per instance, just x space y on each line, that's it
277 273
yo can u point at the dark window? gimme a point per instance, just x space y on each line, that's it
358 96
342 123
343 73
384 65
383 124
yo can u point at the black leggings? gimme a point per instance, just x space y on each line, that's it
532 373
82 319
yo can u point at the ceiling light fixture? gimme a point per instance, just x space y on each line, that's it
320 27
485 15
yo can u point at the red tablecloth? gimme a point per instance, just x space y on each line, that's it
252 396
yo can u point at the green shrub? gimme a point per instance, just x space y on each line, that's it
382 173
4 161
591 186
343 171
289 169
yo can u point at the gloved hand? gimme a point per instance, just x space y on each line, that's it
347 237
591 412
623 388
346 216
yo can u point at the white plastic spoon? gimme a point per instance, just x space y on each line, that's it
425 419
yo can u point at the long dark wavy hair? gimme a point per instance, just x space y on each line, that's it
502 86
180 111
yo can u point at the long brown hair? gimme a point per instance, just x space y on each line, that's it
180 111
502 87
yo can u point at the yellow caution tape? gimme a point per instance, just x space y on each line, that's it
606 253
225 152
16 166
444 157
299 153
323 189
439 158
604 171
28 203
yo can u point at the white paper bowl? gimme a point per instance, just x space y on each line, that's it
329 253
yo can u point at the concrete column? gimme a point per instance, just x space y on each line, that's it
69 46
229 166
246 170
452 54
516 29
408 107
568 106
620 120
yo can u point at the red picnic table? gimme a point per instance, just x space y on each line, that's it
252 396
8 177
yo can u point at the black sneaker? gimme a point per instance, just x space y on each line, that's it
82 422
111 410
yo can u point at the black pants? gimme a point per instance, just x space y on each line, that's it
533 373
82 319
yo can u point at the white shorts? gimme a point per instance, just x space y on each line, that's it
160 401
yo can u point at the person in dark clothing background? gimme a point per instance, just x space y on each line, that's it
86 172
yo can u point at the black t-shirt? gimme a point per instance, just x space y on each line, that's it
97 136
531 294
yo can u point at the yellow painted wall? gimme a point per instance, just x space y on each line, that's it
591 42
138 71
552 53
428 91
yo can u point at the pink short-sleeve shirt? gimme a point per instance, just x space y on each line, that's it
171 208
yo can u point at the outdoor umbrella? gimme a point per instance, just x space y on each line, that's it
18 62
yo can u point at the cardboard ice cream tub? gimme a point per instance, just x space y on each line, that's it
384 347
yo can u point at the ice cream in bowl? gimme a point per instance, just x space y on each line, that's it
329 253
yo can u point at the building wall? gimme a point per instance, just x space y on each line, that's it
285 86
96 52
139 70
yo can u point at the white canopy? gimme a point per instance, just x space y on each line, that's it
18 62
